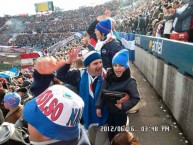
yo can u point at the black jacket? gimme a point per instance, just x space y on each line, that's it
108 51
125 84
184 19
91 29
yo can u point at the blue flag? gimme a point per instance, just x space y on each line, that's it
13 72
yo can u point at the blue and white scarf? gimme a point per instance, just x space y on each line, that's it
100 43
90 97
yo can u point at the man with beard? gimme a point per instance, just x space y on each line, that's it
87 81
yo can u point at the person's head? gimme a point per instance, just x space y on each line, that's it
11 100
124 138
1 84
107 13
140 16
19 80
182 3
163 2
3 80
120 62
22 91
79 63
2 93
154 22
156 9
103 28
85 41
58 110
160 16
168 8
26 83
175 4
93 63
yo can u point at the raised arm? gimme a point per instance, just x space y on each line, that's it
44 71
48 65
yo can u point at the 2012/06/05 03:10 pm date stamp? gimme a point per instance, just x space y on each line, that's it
144 128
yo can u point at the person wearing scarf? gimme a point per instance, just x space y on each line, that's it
87 81
91 29
107 44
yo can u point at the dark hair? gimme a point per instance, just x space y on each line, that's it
105 35
124 138
169 7
2 94
176 2
111 76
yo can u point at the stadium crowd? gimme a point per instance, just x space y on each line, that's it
156 18
45 30
159 18
25 90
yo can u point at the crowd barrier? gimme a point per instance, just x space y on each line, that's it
172 52
168 67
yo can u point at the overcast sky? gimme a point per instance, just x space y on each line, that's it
15 7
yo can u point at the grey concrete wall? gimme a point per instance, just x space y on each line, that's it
175 88
178 96
151 67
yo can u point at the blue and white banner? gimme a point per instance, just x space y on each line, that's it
128 44
13 72
128 40
78 35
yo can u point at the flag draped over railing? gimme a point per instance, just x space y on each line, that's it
128 41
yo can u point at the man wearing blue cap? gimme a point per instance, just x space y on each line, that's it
87 81
12 103
58 110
